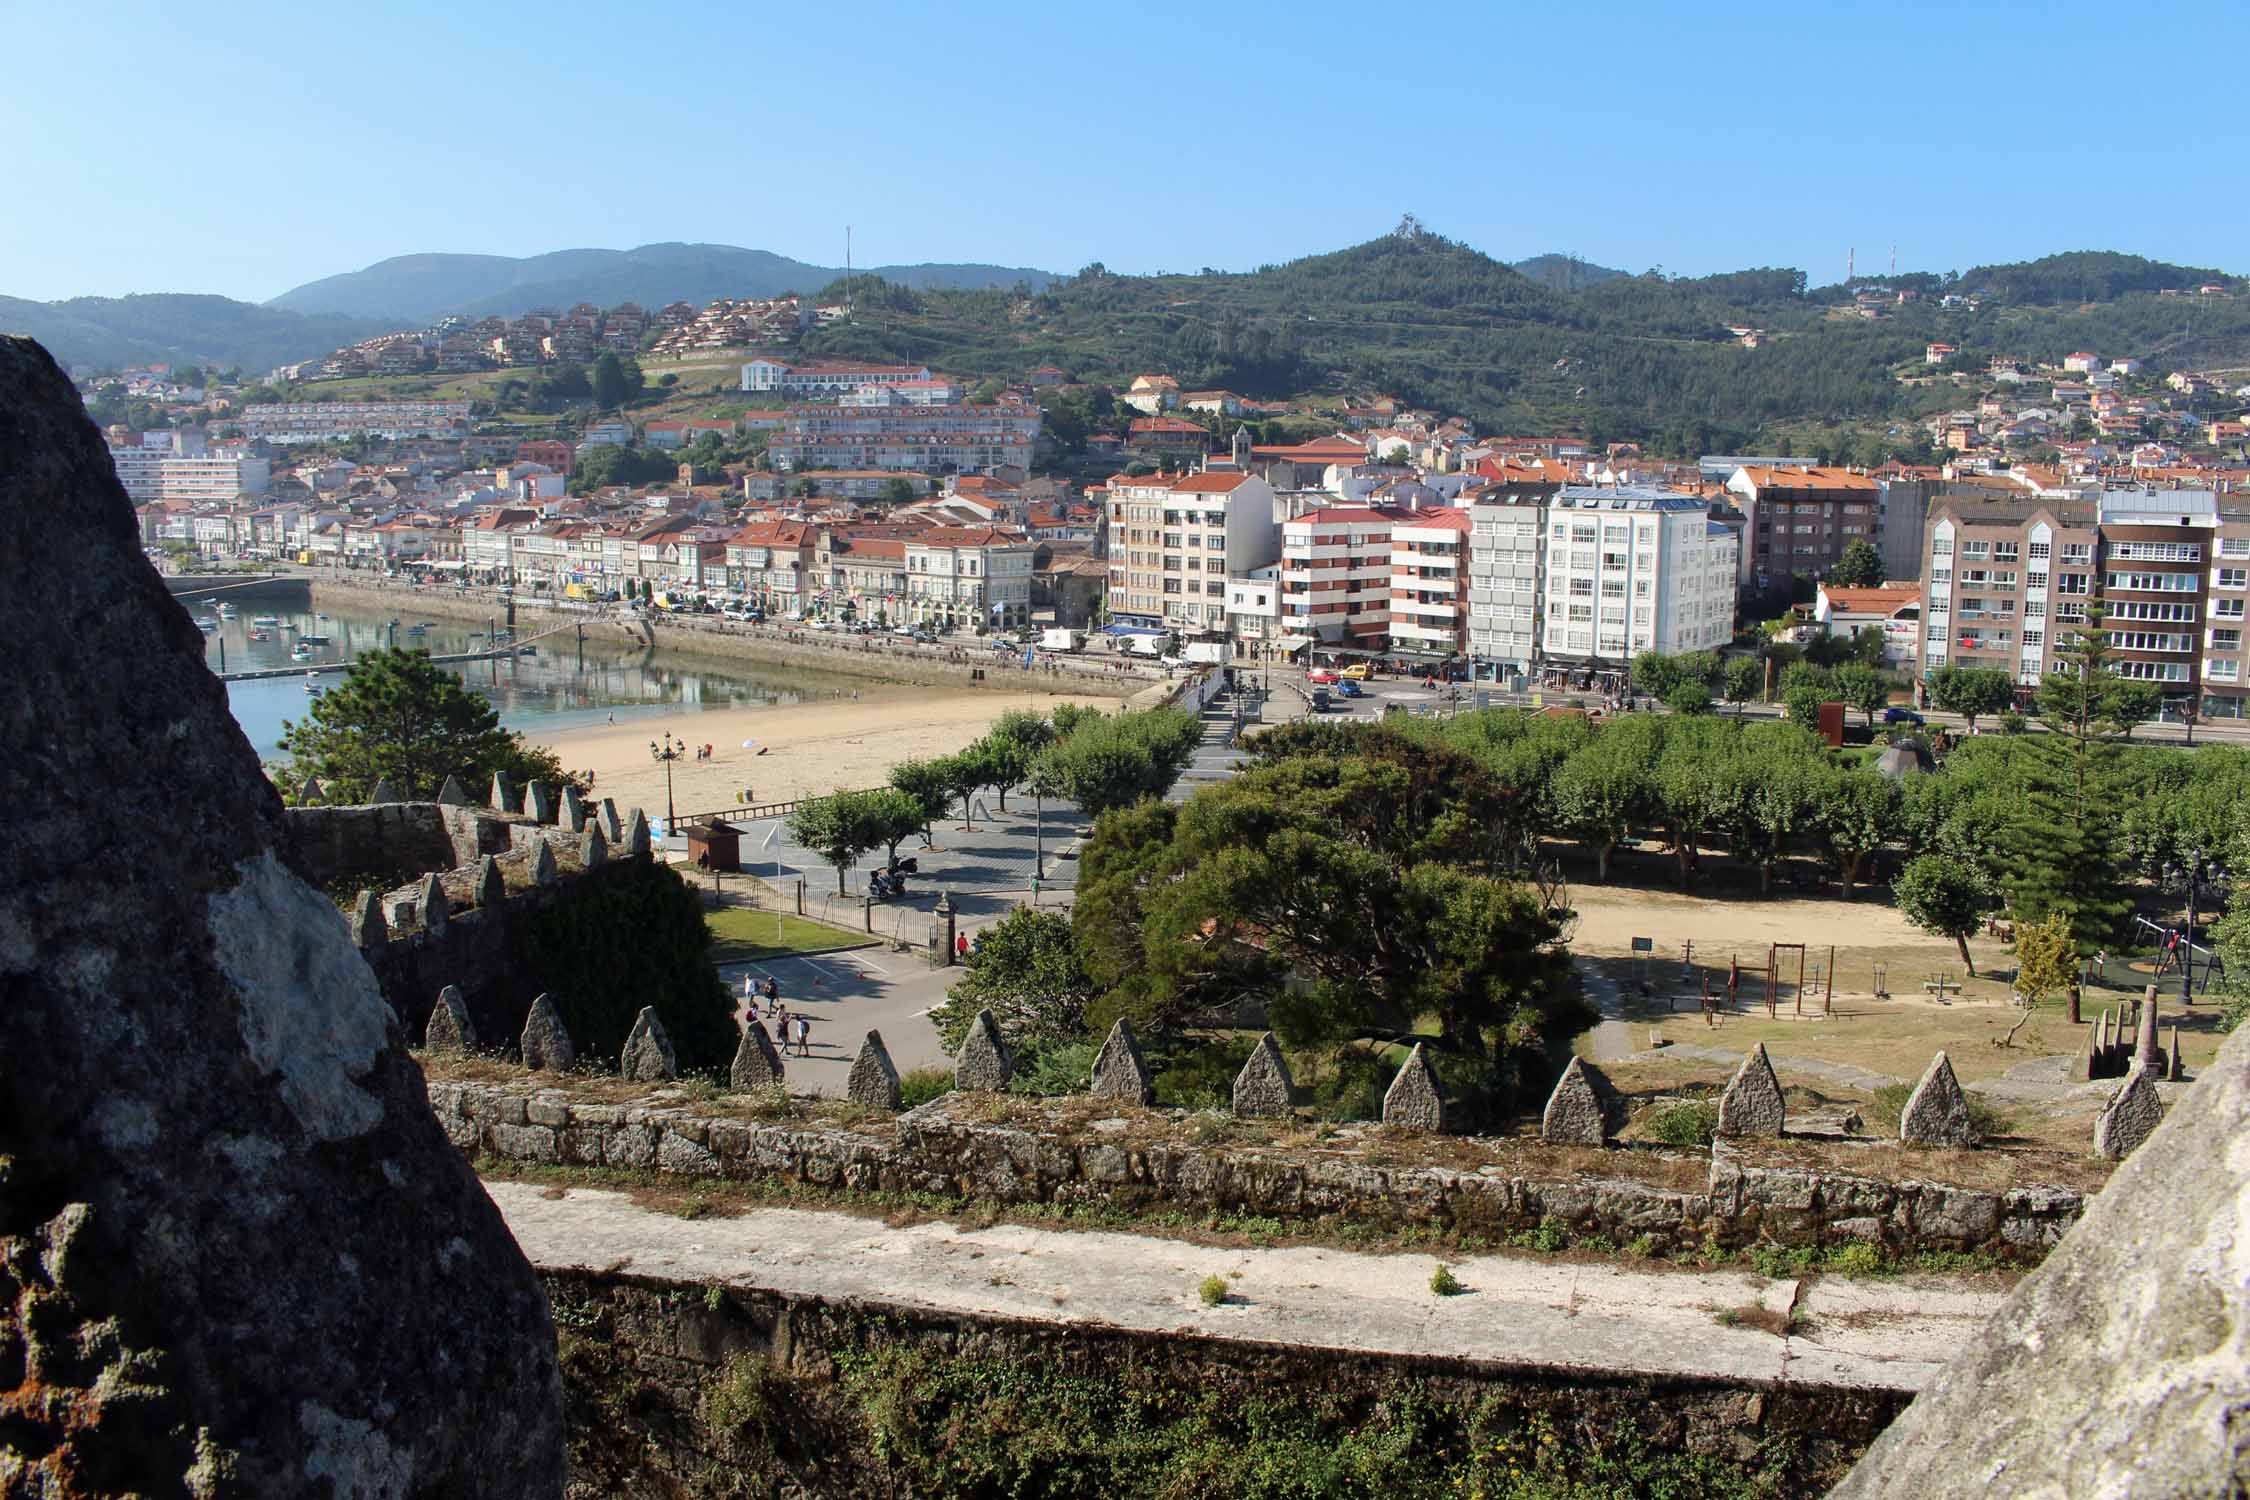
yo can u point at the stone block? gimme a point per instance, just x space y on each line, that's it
636 835
648 1056
543 870
314 793
546 1043
983 1062
1583 1109
450 1033
492 886
369 930
1752 1103
593 853
430 901
573 815
2146 1053
1263 1089
1937 1112
1120 1072
1415 1100
612 827
384 792
757 1065
453 794
505 798
2130 1117
539 802
873 1081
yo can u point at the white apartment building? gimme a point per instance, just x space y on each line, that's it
1635 569
827 380
1506 556
1336 576
1254 613
958 577
329 421
1175 540
175 465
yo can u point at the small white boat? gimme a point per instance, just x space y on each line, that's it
265 619
313 640
205 625
288 625
226 611
301 653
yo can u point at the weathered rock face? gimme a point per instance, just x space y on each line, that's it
234 1243
1937 1112
1415 1100
1583 1109
1264 1089
1120 1072
873 1080
984 1062
2122 1365
2130 1117
450 1032
648 1056
757 1064
546 1044
1752 1103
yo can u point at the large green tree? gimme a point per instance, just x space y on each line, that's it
1971 692
1860 566
842 826
400 718
1025 969
1944 896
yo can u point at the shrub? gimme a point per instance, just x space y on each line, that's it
918 1086
1889 1102
745 1399
1857 1260
1692 1122
1053 1068
1212 1291
1444 1283
2234 1012
619 939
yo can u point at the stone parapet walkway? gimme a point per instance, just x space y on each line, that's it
1884 1335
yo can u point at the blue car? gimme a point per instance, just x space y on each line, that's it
1895 715
1347 688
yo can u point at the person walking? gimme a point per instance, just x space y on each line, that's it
804 1034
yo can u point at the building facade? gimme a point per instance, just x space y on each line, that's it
1507 553
331 421
1634 569
960 578
1429 611
1336 577
1800 520
964 438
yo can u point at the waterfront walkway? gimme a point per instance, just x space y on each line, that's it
1515 1310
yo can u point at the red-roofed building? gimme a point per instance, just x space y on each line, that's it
1336 578
1167 438
1429 610
769 562
1175 540
1801 520
1895 609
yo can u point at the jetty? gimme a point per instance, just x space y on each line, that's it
321 668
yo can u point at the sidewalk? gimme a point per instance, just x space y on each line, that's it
1521 1311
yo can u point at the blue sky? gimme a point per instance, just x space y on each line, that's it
247 147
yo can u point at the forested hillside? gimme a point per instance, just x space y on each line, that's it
1644 357
178 328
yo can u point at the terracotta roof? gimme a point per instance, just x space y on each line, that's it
1876 601
968 536
1211 483
1806 479
1338 514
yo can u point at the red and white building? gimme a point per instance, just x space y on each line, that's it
1429 609
1336 577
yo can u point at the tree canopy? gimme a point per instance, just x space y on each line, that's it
398 717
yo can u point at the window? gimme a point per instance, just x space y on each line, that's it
1976 551
1613 588
2156 551
1941 546
2226 609
2153 671
2005 552
2035 580
1941 575
2231 578
2004 580
2036 609
2039 551
2033 638
2070 583
2223 671
2226 640
2234 546
1581 588
2078 552
2173 583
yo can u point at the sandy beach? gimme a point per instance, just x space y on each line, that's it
799 750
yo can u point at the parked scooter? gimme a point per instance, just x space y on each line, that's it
885 885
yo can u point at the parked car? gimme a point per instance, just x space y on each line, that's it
1323 677
1897 715
1358 671
1350 687
1320 700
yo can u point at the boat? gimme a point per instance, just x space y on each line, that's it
313 640
226 611
417 630
527 650
261 635
288 624
301 653
320 617
203 624
265 619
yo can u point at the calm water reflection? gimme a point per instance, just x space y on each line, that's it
557 689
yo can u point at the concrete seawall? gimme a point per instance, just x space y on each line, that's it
850 655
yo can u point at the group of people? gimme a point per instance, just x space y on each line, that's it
791 1033
703 752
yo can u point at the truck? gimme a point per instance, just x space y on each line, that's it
1058 639
1147 645
1206 653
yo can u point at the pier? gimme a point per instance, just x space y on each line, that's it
322 668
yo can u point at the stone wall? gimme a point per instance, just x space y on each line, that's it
680 1390
336 843
1769 1194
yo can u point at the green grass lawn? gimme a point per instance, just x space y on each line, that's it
741 935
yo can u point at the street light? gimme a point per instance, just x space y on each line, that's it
671 750
2196 867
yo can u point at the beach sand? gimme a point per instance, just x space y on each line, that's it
800 750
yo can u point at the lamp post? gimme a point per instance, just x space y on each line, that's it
667 752
2195 868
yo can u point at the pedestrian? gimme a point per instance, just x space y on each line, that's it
773 991
804 1035
961 946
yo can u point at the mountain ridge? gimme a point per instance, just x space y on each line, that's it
419 289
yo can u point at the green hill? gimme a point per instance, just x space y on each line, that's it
179 328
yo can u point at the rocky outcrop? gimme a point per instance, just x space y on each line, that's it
235 1248
2122 1365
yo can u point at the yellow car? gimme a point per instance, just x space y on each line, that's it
1358 671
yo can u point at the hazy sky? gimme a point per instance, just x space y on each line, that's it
246 147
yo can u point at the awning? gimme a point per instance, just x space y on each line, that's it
1294 642
1134 630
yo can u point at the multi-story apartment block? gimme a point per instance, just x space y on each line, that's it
824 380
965 438
328 421
1507 537
175 465
959 577
1635 569
1800 520
2009 583
1335 576
1430 583
1175 540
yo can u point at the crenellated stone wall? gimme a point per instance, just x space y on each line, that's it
1772 1193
